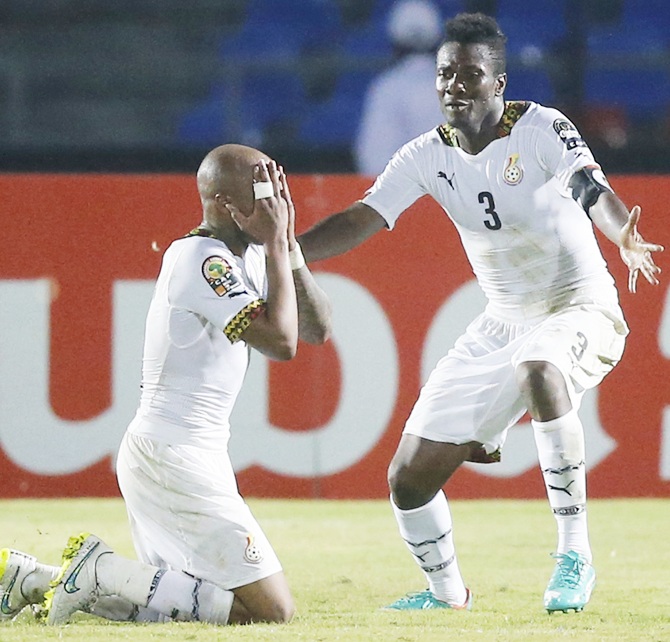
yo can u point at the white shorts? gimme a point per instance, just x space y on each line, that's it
472 394
186 513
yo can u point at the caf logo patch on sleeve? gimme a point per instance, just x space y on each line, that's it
568 133
219 275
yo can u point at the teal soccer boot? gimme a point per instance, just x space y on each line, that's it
426 600
571 583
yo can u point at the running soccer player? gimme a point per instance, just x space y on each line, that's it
237 281
524 191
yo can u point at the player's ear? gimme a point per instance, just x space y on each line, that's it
501 83
221 200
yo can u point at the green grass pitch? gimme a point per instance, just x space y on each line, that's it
344 560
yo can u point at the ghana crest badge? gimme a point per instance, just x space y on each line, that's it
252 553
513 172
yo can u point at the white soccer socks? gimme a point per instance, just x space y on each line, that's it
427 531
173 594
183 597
560 449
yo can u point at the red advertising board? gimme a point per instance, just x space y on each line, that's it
78 260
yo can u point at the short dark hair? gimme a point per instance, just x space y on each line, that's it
476 29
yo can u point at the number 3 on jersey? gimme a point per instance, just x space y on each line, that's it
486 198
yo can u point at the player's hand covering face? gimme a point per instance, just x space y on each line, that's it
268 222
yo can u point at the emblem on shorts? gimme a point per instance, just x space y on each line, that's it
513 172
252 553
219 275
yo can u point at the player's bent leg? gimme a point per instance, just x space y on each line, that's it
560 446
91 570
420 467
417 473
117 609
559 437
543 388
267 600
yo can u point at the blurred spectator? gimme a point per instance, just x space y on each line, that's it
401 102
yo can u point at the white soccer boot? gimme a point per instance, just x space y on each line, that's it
15 566
76 587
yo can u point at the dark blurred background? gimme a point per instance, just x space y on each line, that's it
151 85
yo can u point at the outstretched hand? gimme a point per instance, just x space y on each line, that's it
636 252
270 217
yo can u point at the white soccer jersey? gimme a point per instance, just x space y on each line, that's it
193 364
530 244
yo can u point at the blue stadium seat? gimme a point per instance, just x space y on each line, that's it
649 12
531 24
529 84
242 111
206 123
278 28
629 36
334 122
369 38
642 92
625 65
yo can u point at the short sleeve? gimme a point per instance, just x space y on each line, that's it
398 186
209 282
560 148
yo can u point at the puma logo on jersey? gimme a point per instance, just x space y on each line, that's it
446 178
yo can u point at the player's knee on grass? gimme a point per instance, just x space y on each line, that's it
268 600
278 612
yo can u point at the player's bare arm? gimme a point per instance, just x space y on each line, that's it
340 232
314 309
275 331
613 219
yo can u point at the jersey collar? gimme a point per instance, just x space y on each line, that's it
514 109
198 231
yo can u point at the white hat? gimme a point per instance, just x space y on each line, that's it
415 24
